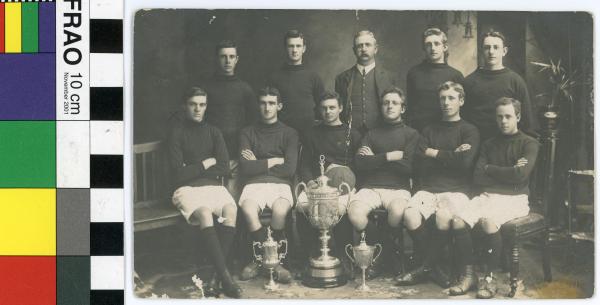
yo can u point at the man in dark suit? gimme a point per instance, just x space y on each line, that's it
361 86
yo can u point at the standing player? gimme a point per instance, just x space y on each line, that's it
502 172
300 87
268 160
491 82
199 159
384 162
361 87
424 79
447 151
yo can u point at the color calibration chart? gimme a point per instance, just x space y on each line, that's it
61 152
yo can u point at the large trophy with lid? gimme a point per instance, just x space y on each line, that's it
323 213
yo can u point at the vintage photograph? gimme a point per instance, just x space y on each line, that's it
379 154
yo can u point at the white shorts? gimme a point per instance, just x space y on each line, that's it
266 193
188 199
379 198
457 203
342 202
501 209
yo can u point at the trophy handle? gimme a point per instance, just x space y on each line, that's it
258 257
349 246
342 185
299 187
378 253
281 242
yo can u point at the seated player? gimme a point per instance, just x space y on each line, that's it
337 143
384 163
269 155
198 156
447 153
502 172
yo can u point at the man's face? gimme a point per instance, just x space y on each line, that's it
493 51
450 103
392 107
228 59
365 48
269 107
507 120
196 106
435 48
295 49
330 111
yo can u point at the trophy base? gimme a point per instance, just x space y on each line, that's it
324 277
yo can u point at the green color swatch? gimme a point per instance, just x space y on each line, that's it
29 27
28 154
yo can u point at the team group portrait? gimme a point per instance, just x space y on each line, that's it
363 154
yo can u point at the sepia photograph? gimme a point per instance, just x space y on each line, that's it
362 154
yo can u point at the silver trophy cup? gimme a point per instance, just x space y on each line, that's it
271 257
362 256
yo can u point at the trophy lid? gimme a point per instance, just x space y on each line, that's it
363 242
322 187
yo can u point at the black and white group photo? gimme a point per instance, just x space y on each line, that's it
376 154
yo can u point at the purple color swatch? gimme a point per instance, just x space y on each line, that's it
27 86
46 27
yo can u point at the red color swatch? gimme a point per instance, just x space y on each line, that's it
1 27
28 280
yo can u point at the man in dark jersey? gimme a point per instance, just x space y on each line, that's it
502 173
447 151
300 87
268 160
199 159
489 83
232 105
423 80
361 87
333 140
384 163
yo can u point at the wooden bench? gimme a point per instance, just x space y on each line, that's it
152 189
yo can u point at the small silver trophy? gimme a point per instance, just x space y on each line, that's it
362 256
271 257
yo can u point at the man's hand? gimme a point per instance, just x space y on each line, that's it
431 153
312 184
274 161
463 147
207 163
521 162
395 155
365 151
248 155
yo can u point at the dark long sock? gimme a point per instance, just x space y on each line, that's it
308 237
259 235
213 246
419 237
437 241
226 235
463 244
342 235
492 249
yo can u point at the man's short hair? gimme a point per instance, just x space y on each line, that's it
193 91
493 33
293 34
272 91
437 32
394 89
363 33
225 44
330 95
454 86
503 101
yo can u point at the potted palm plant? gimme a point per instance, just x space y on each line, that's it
562 83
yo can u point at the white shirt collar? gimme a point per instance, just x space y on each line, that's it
366 69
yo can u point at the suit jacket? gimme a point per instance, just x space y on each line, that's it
343 85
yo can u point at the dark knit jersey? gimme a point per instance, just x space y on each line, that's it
190 143
422 82
266 141
375 170
300 90
330 141
231 106
449 171
483 87
500 154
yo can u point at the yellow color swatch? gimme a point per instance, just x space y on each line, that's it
12 28
28 222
